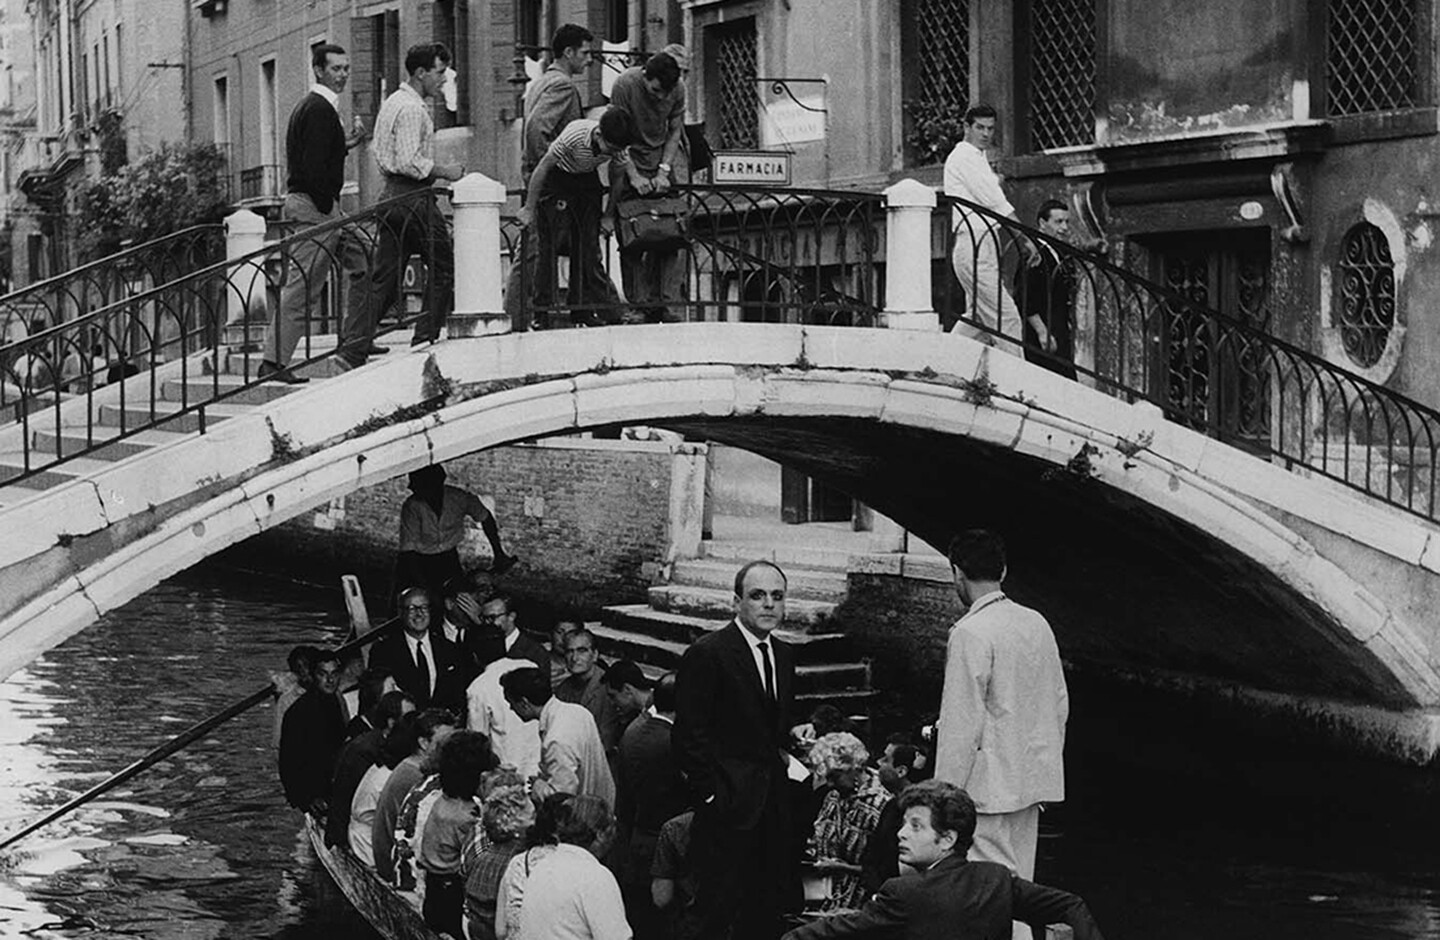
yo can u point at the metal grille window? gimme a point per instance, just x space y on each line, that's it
1367 293
1062 72
1372 56
736 54
939 76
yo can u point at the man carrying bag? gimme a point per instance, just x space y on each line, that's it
652 231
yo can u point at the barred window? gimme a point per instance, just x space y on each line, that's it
1062 73
1372 60
737 102
1367 293
937 57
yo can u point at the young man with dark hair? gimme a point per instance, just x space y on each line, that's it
949 896
551 102
568 173
315 147
311 737
572 759
976 257
655 96
1047 297
1003 686
404 149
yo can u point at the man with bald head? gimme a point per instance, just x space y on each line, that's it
733 699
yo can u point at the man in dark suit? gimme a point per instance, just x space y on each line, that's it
648 788
499 635
311 736
733 698
357 756
427 667
948 896
1047 296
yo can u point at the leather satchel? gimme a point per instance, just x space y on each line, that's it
660 223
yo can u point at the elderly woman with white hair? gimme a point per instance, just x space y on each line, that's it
847 816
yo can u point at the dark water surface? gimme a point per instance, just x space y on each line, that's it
1180 822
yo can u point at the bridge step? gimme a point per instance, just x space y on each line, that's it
787 556
811 679
143 414
820 584
10 468
202 388
75 441
802 614
679 630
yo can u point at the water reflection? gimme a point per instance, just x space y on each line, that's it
200 846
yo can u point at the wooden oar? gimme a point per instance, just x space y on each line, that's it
180 741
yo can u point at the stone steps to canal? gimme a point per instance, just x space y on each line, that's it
698 599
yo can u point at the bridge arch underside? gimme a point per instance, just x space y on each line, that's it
1126 584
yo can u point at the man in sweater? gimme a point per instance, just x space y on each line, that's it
315 149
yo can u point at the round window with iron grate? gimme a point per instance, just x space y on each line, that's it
1367 293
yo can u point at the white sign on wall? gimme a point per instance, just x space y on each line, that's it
751 167
788 122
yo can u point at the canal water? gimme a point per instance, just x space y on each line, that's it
1179 823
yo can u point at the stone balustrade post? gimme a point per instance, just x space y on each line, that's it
244 233
478 276
909 204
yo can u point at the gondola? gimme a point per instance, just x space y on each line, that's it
391 913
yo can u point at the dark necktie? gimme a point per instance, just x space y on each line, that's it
422 666
769 670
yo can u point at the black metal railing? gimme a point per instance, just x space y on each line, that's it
801 256
754 255
161 356
1218 374
105 280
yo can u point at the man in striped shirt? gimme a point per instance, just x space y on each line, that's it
568 172
404 148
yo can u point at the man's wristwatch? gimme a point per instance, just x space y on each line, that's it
664 168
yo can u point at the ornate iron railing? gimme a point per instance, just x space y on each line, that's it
105 280
789 255
161 356
1217 374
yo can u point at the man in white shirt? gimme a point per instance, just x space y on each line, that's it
976 257
572 757
1003 708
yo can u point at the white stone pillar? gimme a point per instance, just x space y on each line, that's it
478 276
244 234
909 204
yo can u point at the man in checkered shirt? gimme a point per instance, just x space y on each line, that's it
567 170
404 149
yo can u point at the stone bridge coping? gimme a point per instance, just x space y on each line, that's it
257 470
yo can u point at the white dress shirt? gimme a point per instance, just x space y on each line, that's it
423 642
754 643
516 742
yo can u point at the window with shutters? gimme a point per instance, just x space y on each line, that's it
732 64
936 51
1373 55
1061 61
452 27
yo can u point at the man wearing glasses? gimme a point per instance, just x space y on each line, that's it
426 666
500 636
